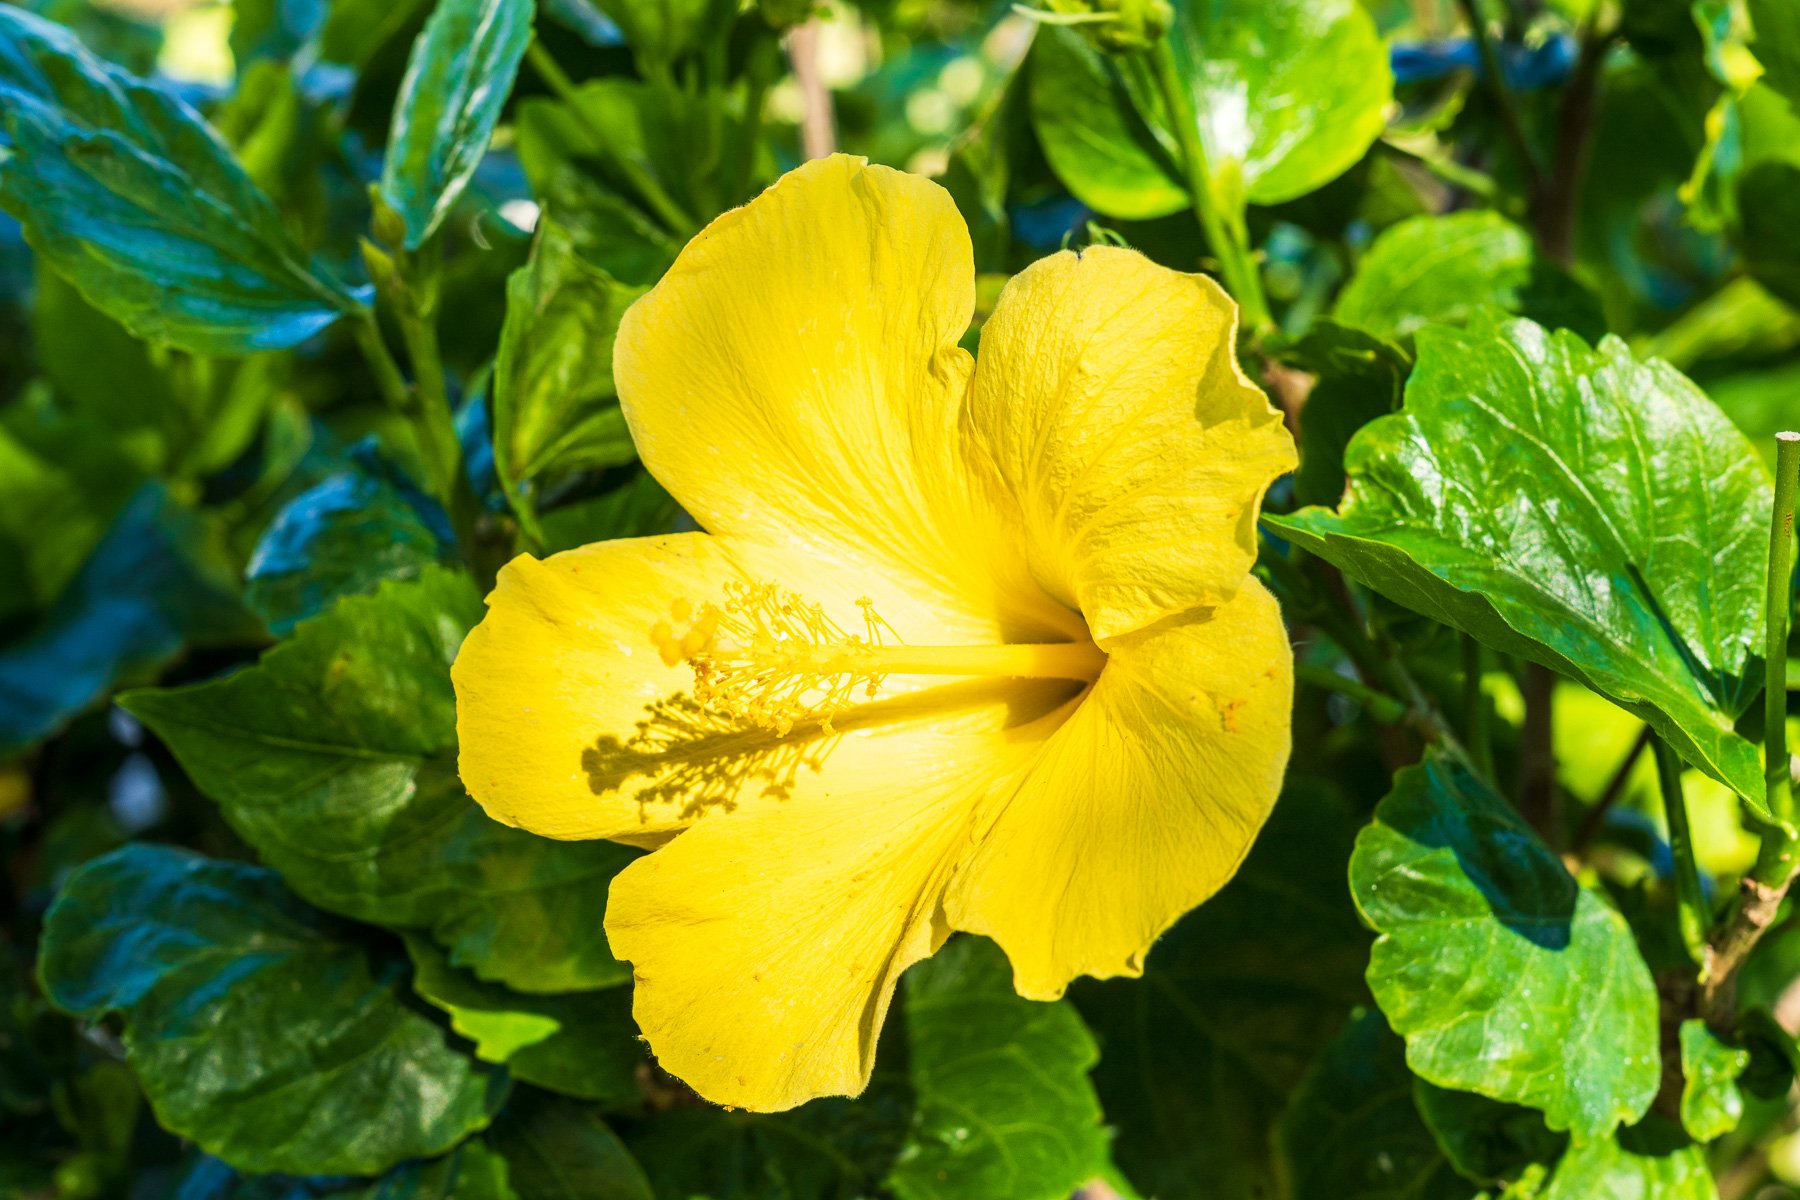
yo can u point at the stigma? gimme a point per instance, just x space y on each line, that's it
772 658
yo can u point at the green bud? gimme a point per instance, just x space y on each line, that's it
384 222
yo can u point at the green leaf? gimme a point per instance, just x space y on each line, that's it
153 585
125 191
469 1172
461 69
639 507
1288 95
583 1044
1711 1104
1504 975
1002 1102
61 488
663 30
1448 268
343 536
977 1094
555 407
334 758
1777 44
1237 1001
1486 1141
1352 1132
257 1027
1650 1162
1358 378
1093 136
555 1150
1574 507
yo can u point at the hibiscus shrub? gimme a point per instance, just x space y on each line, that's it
1183 599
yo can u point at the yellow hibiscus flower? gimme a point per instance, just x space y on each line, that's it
965 645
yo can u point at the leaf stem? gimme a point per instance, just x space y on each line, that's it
1225 233
1761 892
635 172
1690 898
1381 707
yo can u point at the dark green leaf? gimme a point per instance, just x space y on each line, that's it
1447 268
1288 95
638 507
1711 1104
342 537
1577 508
152 586
1352 1132
1650 1162
555 408
470 1172
1002 1102
977 1094
1358 378
1198 1057
582 1044
555 1150
1777 44
457 80
61 488
256 1026
1488 1142
123 189
334 758
1504 975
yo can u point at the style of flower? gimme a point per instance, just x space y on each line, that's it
966 645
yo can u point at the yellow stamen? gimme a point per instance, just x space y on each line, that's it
775 659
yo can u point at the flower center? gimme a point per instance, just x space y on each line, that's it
773 658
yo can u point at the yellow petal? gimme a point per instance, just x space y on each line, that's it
571 725
766 944
795 376
1142 804
1109 398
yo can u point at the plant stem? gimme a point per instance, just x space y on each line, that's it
1381 707
1761 892
1615 787
1778 774
1556 203
1494 78
1225 233
635 173
1539 797
1475 708
1689 897
416 309
388 379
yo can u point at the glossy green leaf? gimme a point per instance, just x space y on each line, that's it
555 407
583 1044
234 995
1575 507
555 1150
1504 975
1650 1162
334 758
1352 1132
1288 95
124 190
457 80
341 537
1237 1001
1448 268
1711 1104
155 584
